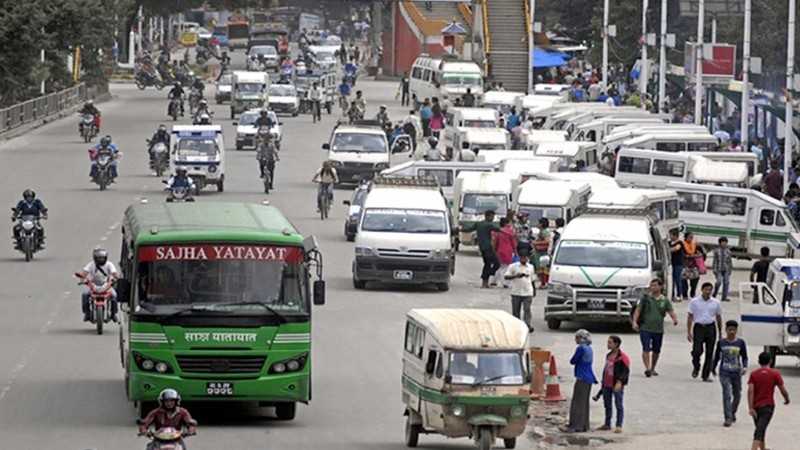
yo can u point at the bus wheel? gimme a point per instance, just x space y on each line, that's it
286 411
412 433
553 324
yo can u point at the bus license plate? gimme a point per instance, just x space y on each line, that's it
596 304
218 389
403 275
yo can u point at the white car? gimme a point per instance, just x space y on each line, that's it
224 89
246 129
267 53
203 33
283 99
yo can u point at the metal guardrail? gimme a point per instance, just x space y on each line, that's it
44 106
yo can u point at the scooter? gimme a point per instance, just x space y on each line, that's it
166 439
174 108
99 299
30 230
144 79
87 127
159 160
178 194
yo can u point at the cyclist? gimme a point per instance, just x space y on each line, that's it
326 177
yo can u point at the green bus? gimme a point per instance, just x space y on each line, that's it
216 301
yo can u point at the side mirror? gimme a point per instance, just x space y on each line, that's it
124 291
430 365
346 202
319 292
326 146
448 378
280 123
658 265
235 123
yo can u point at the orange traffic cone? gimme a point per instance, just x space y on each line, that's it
539 358
553 393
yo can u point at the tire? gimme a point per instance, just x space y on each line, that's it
412 432
358 284
140 85
239 146
233 115
553 324
99 317
220 186
102 183
87 136
444 287
510 443
159 170
350 237
485 439
26 248
286 411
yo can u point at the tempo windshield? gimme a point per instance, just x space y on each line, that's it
486 368
359 142
404 221
480 203
188 147
249 88
626 255
171 278
282 91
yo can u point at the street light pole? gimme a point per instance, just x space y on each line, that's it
531 47
662 63
643 72
698 67
605 45
788 134
745 123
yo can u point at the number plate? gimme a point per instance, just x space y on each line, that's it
595 304
219 389
403 275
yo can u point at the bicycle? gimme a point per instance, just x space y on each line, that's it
324 200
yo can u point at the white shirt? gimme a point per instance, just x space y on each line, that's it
522 287
96 275
705 312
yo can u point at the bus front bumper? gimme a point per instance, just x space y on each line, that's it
274 388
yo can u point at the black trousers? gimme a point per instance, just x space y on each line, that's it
404 98
703 342
490 264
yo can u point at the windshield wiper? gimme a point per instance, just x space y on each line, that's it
266 306
482 382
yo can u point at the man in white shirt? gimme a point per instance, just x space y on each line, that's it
521 275
703 325
98 272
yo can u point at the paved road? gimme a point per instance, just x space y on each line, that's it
61 385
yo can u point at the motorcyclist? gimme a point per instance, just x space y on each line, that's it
361 102
105 147
181 179
326 177
199 86
203 119
176 93
29 206
350 71
202 109
433 153
169 414
315 94
267 154
161 135
98 271
264 120
89 108
344 92
382 117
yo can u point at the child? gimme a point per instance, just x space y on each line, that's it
731 356
722 267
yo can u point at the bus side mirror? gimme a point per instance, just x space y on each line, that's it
124 291
430 365
319 292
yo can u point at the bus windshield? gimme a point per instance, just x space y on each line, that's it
463 79
221 278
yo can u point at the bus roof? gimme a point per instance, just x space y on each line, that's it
473 329
154 223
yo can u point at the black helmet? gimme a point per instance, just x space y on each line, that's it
433 142
177 84
105 141
28 194
100 256
180 171
169 394
162 127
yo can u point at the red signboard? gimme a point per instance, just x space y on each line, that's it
721 64
220 252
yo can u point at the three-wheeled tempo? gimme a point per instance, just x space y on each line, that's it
466 373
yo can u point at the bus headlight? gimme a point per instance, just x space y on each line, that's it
295 364
458 410
162 367
148 364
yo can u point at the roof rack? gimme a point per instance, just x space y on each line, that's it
405 181
639 212
367 123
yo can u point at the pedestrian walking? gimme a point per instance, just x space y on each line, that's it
761 398
773 182
505 245
542 244
648 320
722 268
404 89
615 377
483 232
584 379
703 324
677 253
693 263
522 229
520 274
731 360
425 114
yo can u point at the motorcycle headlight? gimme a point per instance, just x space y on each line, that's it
364 251
212 169
458 410
557 288
27 225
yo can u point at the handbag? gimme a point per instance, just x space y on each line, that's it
700 263
690 273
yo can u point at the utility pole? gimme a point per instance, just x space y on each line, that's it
788 133
643 72
745 123
605 45
698 67
531 47
662 60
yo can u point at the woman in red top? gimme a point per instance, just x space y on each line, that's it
505 245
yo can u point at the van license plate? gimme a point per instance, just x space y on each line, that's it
218 389
403 275
595 304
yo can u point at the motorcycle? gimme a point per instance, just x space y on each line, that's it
103 176
28 241
174 108
194 100
201 56
159 160
267 164
166 439
99 298
178 194
144 79
87 127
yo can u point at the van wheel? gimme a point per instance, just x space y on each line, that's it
220 186
444 287
351 237
510 443
553 324
412 433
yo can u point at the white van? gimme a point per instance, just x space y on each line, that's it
675 142
498 156
445 172
526 104
597 129
404 235
654 169
625 133
570 153
561 119
748 158
661 202
357 152
501 101
603 263
551 200
250 90
460 118
748 218
473 195
553 90
597 181
200 150
533 138
571 126
481 139
444 78
523 169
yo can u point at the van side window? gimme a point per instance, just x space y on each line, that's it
690 201
671 146
666 168
426 75
779 220
420 344
411 336
727 205
658 209
439 367
671 209
443 176
634 165
767 217
701 147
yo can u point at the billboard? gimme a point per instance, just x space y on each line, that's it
717 8
719 61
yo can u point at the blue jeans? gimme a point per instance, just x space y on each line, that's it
731 393
677 282
724 279
608 394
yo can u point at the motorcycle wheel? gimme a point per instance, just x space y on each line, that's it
27 248
87 136
159 85
140 84
102 182
159 170
99 318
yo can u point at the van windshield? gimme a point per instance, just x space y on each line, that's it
480 203
404 221
479 124
359 142
537 212
626 255
249 88
486 368
466 79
